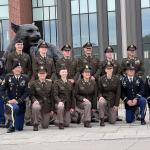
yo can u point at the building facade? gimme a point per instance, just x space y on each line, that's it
118 23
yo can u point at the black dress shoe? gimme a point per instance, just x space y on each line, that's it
143 122
102 124
10 130
87 124
118 119
61 126
35 127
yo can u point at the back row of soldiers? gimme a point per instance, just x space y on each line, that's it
60 78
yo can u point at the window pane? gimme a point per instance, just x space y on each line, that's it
74 7
3 2
46 13
76 30
93 29
49 2
111 5
47 31
84 28
83 6
145 3
92 6
112 28
146 24
4 12
40 3
37 14
52 13
34 3
5 24
53 31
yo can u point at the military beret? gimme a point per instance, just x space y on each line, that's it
19 40
86 69
16 64
66 47
109 49
109 64
131 48
42 69
42 44
88 44
63 67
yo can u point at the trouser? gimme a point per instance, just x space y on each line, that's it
39 116
2 112
130 113
63 116
28 113
85 109
15 115
103 108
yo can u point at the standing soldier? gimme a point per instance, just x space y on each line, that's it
109 58
64 99
42 59
89 60
19 56
86 95
14 91
132 59
42 101
68 62
2 76
132 92
109 94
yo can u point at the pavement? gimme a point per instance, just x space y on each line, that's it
120 136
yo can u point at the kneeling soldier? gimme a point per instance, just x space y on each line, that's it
14 90
132 92
41 97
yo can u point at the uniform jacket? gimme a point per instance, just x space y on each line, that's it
42 92
63 92
86 90
110 89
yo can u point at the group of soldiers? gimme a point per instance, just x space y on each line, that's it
59 89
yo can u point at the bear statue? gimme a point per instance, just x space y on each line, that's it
31 37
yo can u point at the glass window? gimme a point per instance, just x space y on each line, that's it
53 32
3 2
84 28
40 3
83 6
75 7
49 2
112 28
92 6
34 3
52 13
4 12
93 29
46 13
111 5
47 31
76 30
145 3
37 14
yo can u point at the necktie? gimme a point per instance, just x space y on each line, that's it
130 80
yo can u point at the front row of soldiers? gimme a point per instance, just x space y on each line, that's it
78 87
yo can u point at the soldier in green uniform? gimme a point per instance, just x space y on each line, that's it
108 94
19 56
86 95
109 58
88 59
68 62
43 59
42 101
64 99
133 60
